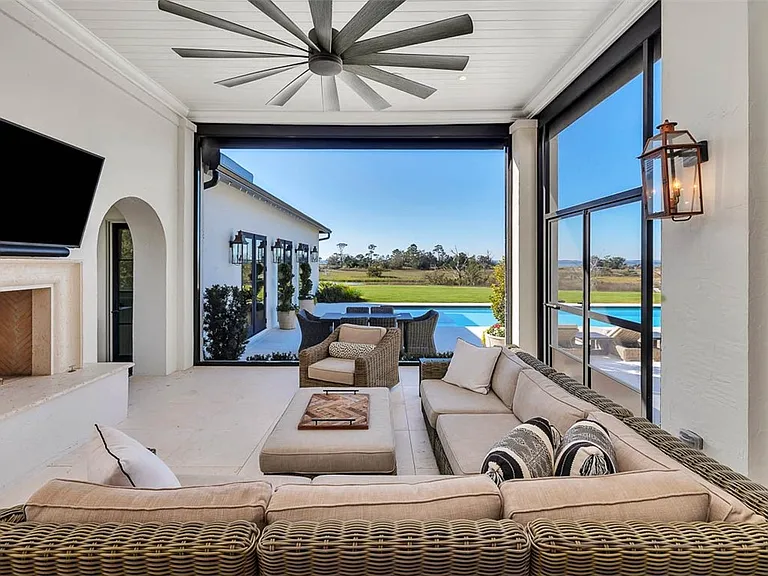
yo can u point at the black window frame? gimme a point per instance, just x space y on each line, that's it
635 51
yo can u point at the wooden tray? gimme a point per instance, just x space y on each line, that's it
336 410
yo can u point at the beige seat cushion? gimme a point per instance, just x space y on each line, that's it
439 397
214 479
361 334
336 370
645 496
355 480
71 501
633 452
466 438
536 395
289 450
505 375
470 498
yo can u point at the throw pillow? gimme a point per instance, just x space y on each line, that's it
349 350
586 450
116 459
527 451
472 366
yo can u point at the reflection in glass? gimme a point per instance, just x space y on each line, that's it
615 241
567 350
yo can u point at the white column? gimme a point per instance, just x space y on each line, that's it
521 249
715 310
186 237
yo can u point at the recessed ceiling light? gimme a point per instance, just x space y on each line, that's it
462 78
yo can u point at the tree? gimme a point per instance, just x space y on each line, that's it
499 293
440 254
305 281
285 288
459 263
225 321
371 253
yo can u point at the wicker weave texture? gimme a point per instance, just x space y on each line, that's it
13 515
635 548
31 549
433 368
401 548
437 447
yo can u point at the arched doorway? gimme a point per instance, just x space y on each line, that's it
132 287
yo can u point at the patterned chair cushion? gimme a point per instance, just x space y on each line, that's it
586 450
527 451
349 350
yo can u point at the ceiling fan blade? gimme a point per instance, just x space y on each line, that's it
322 18
207 53
210 20
270 9
282 97
252 76
393 80
330 94
435 61
371 97
448 28
369 15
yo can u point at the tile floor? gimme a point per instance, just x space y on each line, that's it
213 421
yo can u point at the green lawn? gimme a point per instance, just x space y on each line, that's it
432 294
574 297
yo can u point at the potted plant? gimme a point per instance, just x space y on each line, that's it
306 298
286 309
496 335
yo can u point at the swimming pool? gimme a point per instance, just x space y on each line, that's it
482 316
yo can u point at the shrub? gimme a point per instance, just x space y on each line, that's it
274 357
285 288
331 293
499 293
305 281
375 270
225 319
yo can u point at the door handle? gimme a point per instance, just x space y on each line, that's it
121 308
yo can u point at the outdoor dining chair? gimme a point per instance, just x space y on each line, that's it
313 329
420 335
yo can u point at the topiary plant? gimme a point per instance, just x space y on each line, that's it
305 281
225 322
285 288
499 293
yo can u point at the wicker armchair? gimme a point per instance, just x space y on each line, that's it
379 367
420 335
313 329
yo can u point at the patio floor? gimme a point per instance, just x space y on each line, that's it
213 421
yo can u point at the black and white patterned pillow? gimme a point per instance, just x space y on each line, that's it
349 350
527 451
586 450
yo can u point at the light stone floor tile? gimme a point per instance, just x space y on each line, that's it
213 421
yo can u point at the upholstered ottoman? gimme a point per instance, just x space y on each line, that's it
311 452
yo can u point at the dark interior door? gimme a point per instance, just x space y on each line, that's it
254 278
122 294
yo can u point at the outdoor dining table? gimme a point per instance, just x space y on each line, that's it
401 317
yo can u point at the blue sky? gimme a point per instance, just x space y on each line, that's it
392 198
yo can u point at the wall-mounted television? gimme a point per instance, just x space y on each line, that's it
46 188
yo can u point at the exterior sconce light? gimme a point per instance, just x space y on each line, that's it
302 253
313 255
671 174
261 251
278 252
236 246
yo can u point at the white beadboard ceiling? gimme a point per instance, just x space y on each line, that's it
516 48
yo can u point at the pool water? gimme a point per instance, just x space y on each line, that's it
482 315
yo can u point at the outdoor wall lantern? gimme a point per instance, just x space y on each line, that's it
261 251
278 253
313 255
302 253
236 246
671 174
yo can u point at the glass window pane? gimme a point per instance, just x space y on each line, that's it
657 112
566 346
615 271
614 358
596 155
657 304
567 271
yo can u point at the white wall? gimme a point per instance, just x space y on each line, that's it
714 373
54 86
226 210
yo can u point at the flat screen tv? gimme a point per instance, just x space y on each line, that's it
46 188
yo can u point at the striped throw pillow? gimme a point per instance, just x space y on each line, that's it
527 451
349 350
586 450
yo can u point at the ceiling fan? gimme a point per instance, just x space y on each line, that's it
331 53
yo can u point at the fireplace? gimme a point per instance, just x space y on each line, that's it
25 332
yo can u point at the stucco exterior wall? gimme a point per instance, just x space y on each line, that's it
226 210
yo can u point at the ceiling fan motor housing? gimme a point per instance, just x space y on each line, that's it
325 64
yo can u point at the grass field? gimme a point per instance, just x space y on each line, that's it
574 297
361 276
423 294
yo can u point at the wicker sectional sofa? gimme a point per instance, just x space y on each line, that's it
400 525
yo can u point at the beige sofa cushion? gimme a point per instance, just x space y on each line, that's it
633 452
536 395
361 334
274 480
472 366
645 496
71 501
336 370
438 397
505 375
470 498
356 480
466 438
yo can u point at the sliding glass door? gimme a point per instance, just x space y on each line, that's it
254 280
